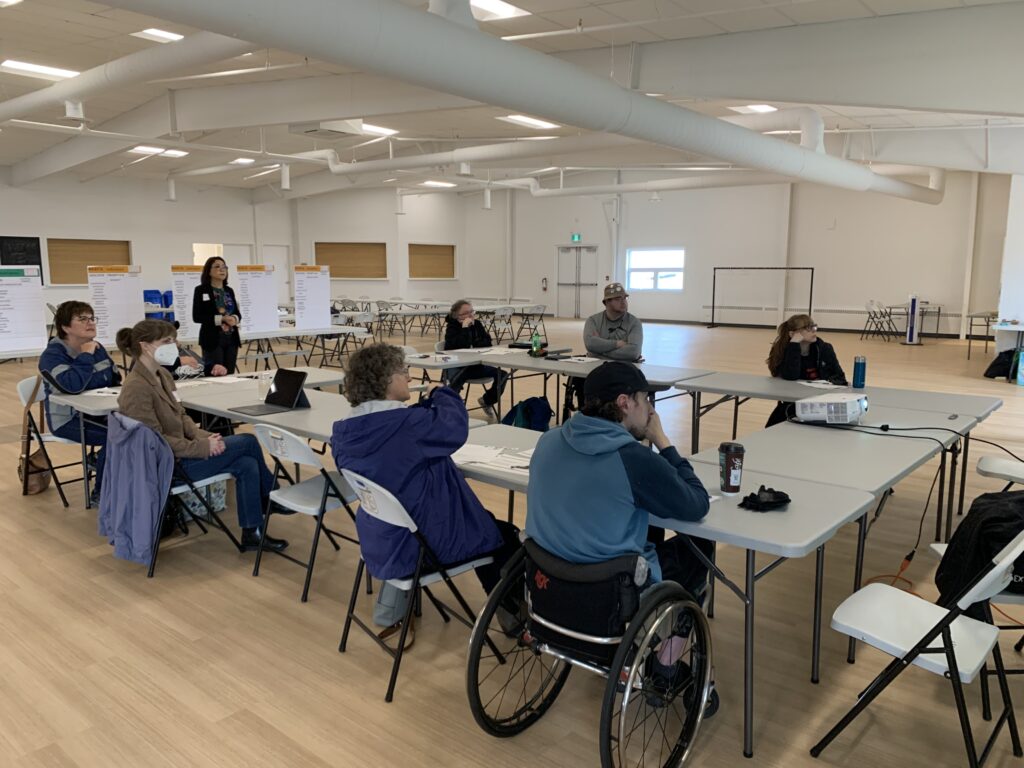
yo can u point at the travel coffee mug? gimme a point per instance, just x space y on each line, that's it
730 466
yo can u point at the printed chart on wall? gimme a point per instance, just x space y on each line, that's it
312 297
184 279
115 293
257 297
22 312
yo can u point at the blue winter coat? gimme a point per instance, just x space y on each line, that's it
408 451
138 477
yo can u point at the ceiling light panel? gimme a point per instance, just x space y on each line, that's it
755 109
378 130
175 153
36 70
438 184
529 122
158 35
143 149
492 10
5 3
243 161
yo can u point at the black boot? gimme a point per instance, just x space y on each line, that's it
251 541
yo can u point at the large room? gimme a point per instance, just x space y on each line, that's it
688 199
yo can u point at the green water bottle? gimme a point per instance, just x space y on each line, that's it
535 344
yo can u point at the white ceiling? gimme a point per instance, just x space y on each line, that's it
76 34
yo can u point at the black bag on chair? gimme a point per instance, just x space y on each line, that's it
1003 366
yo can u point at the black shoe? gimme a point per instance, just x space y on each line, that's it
94 497
277 509
251 541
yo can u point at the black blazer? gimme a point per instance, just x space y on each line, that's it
205 314
824 356
457 337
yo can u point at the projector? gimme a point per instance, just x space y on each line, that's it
838 408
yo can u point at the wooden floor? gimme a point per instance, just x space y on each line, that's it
206 666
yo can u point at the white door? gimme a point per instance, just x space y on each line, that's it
577 281
278 255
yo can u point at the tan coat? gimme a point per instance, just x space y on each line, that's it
148 396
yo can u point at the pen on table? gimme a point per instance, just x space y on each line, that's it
520 466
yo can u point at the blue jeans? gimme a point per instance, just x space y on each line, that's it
95 434
243 458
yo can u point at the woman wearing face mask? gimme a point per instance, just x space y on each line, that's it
798 353
148 396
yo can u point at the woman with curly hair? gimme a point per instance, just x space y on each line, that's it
407 450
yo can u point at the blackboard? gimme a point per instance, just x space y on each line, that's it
21 252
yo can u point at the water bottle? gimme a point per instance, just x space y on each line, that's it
860 370
535 344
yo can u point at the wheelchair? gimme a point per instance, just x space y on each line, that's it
547 616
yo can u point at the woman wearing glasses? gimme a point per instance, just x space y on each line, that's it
215 310
798 353
72 363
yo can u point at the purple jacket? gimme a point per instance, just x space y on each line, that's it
408 451
139 467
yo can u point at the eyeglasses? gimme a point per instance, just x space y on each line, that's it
403 371
85 318
808 328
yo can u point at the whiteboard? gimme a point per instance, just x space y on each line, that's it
115 293
22 318
257 297
184 279
312 296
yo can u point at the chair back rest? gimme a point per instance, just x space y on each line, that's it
25 387
503 313
438 346
998 576
285 446
537 309
378 502
383 306
348 304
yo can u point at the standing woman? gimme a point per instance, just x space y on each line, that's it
215 310
798 353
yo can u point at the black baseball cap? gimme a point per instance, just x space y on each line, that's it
611 379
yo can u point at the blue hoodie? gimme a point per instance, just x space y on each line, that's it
408 451
593 486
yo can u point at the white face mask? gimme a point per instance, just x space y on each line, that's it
166 354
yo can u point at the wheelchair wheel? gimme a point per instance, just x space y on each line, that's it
509 683
658 684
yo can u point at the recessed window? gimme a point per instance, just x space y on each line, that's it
655 269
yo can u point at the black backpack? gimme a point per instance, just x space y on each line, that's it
992 522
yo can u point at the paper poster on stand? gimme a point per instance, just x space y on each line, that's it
312 297
115 293
22 311
256 292
184 279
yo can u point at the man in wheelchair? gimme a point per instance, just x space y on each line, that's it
603 590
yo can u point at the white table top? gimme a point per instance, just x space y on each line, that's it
843 457
281 333
812 517
1015 327
771 388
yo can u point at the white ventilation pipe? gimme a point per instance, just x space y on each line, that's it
138 67
508 150
803 119
388 38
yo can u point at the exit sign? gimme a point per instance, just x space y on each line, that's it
576 237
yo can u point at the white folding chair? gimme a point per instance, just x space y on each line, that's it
37 434
1010 470
480 381
501 324
380 504
315 496
533 320
908 627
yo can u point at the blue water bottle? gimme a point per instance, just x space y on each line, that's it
860 370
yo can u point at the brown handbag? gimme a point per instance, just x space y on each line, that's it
34 469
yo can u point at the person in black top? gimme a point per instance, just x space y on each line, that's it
215 310
464 331
798 353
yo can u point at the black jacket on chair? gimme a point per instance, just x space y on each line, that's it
205 314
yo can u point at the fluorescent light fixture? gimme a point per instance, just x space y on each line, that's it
267 170
755 109
5 3
654 95
243 161
489 10
539 171
378 130
142 149
175 153
439 184
37 70
158 35
388 181
529 122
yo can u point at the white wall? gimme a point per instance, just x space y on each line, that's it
1011 299
161 233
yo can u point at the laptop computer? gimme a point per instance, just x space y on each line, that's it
285 394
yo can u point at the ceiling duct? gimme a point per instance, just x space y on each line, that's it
328 130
